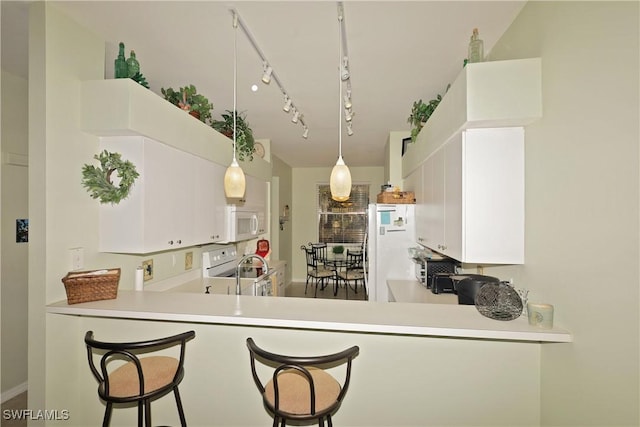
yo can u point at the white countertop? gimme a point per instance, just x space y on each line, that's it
412 291
441 320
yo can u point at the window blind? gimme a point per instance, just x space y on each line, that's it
343 222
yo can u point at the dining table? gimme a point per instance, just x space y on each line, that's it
338 262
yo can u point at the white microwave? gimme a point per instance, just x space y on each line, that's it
242 225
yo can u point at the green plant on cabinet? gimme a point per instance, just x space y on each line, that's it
420 113
188 99
244 137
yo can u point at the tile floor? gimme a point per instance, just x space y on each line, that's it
18 402
297 290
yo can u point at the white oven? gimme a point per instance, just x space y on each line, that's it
242 225
223 261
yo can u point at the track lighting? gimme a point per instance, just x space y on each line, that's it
287 104
268 72
296 115
266 76
305 134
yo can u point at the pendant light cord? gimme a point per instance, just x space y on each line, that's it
235 79
340 11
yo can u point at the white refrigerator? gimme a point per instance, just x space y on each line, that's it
391 232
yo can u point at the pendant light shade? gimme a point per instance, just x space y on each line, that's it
234 181
340 181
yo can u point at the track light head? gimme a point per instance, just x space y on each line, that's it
344 75
305 134
266 76
348 115
349 129
287 104
347 102
296 115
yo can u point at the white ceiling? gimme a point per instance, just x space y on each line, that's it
398 52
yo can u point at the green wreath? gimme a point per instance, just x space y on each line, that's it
97 180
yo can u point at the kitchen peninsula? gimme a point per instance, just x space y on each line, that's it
406 345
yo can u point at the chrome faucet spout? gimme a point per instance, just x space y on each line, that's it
265 266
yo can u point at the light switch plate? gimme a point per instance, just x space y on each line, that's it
76 258
147 267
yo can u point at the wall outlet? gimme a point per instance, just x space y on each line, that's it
147 266
188 261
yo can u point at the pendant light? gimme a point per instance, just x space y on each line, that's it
234 181
340 181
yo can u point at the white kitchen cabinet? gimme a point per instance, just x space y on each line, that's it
415 182
277 280
474 193
158 214
210 202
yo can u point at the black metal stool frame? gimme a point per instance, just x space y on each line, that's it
126 351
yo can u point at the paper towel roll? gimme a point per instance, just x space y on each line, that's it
139 279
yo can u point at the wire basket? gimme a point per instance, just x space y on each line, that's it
95 285
498 301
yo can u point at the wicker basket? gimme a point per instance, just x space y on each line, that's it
401 197
95 285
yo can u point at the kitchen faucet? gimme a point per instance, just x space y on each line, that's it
242 260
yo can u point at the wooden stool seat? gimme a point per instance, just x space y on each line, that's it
295 395
158 372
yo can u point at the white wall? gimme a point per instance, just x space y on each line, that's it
304 214
62 54
283 173
14 204
393 158
582 189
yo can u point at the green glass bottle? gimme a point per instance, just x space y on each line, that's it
133 65
121 71
476 48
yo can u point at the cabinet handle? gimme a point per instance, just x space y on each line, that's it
179 242
170 242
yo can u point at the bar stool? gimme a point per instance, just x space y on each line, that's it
299 388
140 379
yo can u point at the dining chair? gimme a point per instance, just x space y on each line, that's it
315 271
354 271
138 380
320 251
299 389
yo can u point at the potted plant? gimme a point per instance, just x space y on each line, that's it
420 113
338 249
188 99
244 137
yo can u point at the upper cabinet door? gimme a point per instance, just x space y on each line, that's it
158 214
493 198
210 202
475 197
